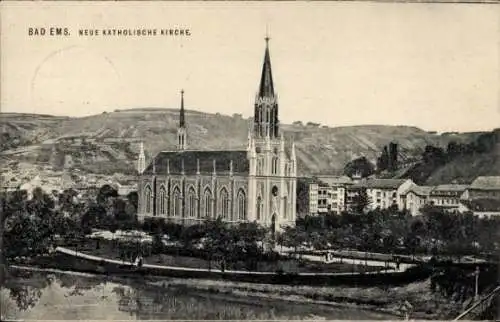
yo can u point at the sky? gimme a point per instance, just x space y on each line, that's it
434 66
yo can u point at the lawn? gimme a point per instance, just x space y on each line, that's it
109 249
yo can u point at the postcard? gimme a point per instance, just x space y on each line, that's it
249 160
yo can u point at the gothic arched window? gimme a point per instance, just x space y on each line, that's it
259 208
191 203
224 203
148 196
163 199
208 203
274 166
176 202
242 205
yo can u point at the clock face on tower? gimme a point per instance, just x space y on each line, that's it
274 191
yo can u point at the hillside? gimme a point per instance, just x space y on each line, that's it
37 138
464 169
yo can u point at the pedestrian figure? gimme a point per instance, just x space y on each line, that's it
406 309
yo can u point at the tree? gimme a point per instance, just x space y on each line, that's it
133 199
360 201
383 160
359 166
29 226
106 192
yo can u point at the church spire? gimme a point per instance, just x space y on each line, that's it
266 121
266 88
181 131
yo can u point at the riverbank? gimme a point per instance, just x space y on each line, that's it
384 300
174 301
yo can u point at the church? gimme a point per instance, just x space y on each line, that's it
256 184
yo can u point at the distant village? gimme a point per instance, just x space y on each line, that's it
316 194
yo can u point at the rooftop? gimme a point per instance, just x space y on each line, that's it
486 183
449 188
380 183
420 190
335 180
190 161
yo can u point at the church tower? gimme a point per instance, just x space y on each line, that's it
271 179
181 131
266 122
141 161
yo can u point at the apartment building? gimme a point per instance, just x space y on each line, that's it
336 188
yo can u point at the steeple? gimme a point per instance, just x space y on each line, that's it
266 104
181 131
182 117
266 88
141 161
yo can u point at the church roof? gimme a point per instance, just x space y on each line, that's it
266 88
176 162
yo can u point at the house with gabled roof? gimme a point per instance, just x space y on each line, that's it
416 197
483 187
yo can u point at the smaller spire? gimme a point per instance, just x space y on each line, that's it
230 167
182 117
282 143
154 165
141 161
168 166
182 165
214 167
250 138
197 166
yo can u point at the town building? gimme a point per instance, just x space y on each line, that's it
484 187
380 193
256 184
447 196
384 193
416 197
480 207
333 193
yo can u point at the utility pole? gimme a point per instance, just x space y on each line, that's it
476 292
3 200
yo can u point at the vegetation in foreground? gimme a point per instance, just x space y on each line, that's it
32 226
